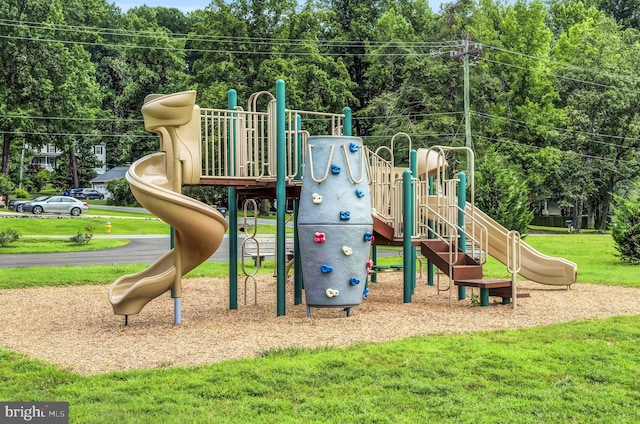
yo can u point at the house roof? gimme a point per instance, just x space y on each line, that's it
112 174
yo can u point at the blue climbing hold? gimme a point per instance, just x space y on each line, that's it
359 193
335 169
365 292
354 281
353 147
326 268
345 215
368 236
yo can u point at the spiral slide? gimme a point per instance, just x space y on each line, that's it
155 181
535 266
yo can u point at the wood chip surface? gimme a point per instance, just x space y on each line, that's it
75 328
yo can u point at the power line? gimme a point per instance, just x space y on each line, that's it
601 158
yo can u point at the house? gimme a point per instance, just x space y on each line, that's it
100 182
46 157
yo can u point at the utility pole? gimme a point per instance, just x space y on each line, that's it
465 50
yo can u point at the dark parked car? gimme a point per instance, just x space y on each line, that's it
71 192
88 193
18 204
57 204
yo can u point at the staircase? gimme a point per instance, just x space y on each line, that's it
464 271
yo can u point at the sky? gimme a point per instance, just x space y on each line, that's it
191 5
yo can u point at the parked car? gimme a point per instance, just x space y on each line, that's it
71 192
88 193
18 204
57 204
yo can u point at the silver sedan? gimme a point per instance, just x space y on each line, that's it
57 204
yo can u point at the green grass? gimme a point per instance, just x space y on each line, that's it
584 372
62 245
61 225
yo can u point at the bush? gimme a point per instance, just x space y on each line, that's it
121 194
8 236
82 238
626 230
21 194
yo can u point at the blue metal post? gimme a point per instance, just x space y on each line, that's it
232 102
462 241
281 279
407 218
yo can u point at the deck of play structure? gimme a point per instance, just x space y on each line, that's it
424 207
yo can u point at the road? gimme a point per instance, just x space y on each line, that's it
140 250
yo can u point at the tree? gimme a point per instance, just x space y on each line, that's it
626 230
600 95
502 194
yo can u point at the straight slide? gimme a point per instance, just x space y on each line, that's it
535 266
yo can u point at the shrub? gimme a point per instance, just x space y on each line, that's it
21 194
121 194
82 238
8 236
626 231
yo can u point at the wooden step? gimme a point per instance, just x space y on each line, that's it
486 285
466 273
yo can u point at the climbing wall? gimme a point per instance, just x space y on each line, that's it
335 225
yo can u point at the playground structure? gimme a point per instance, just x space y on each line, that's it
262 154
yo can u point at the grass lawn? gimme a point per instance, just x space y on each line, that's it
584 372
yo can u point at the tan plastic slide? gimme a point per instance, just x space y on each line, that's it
535 266
199 228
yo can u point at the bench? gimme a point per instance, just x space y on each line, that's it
491 287
267 247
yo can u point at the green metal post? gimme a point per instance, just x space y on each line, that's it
462 241
232 210
407 218
298 282
347 125
430 271
413 166
281 198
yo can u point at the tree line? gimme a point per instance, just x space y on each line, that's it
553 86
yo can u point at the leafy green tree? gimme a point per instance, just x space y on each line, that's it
121 194
600 95
502 194
626 231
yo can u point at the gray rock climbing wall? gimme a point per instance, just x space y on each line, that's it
334 222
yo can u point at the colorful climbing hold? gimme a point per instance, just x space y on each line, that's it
319 237
345 215
335 169
316 198
353 147
359 193
354 281
326 268
347 250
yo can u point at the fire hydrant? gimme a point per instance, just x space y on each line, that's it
108 227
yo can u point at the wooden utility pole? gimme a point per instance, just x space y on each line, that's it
465 50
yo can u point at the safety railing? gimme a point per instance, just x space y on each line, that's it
243 143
